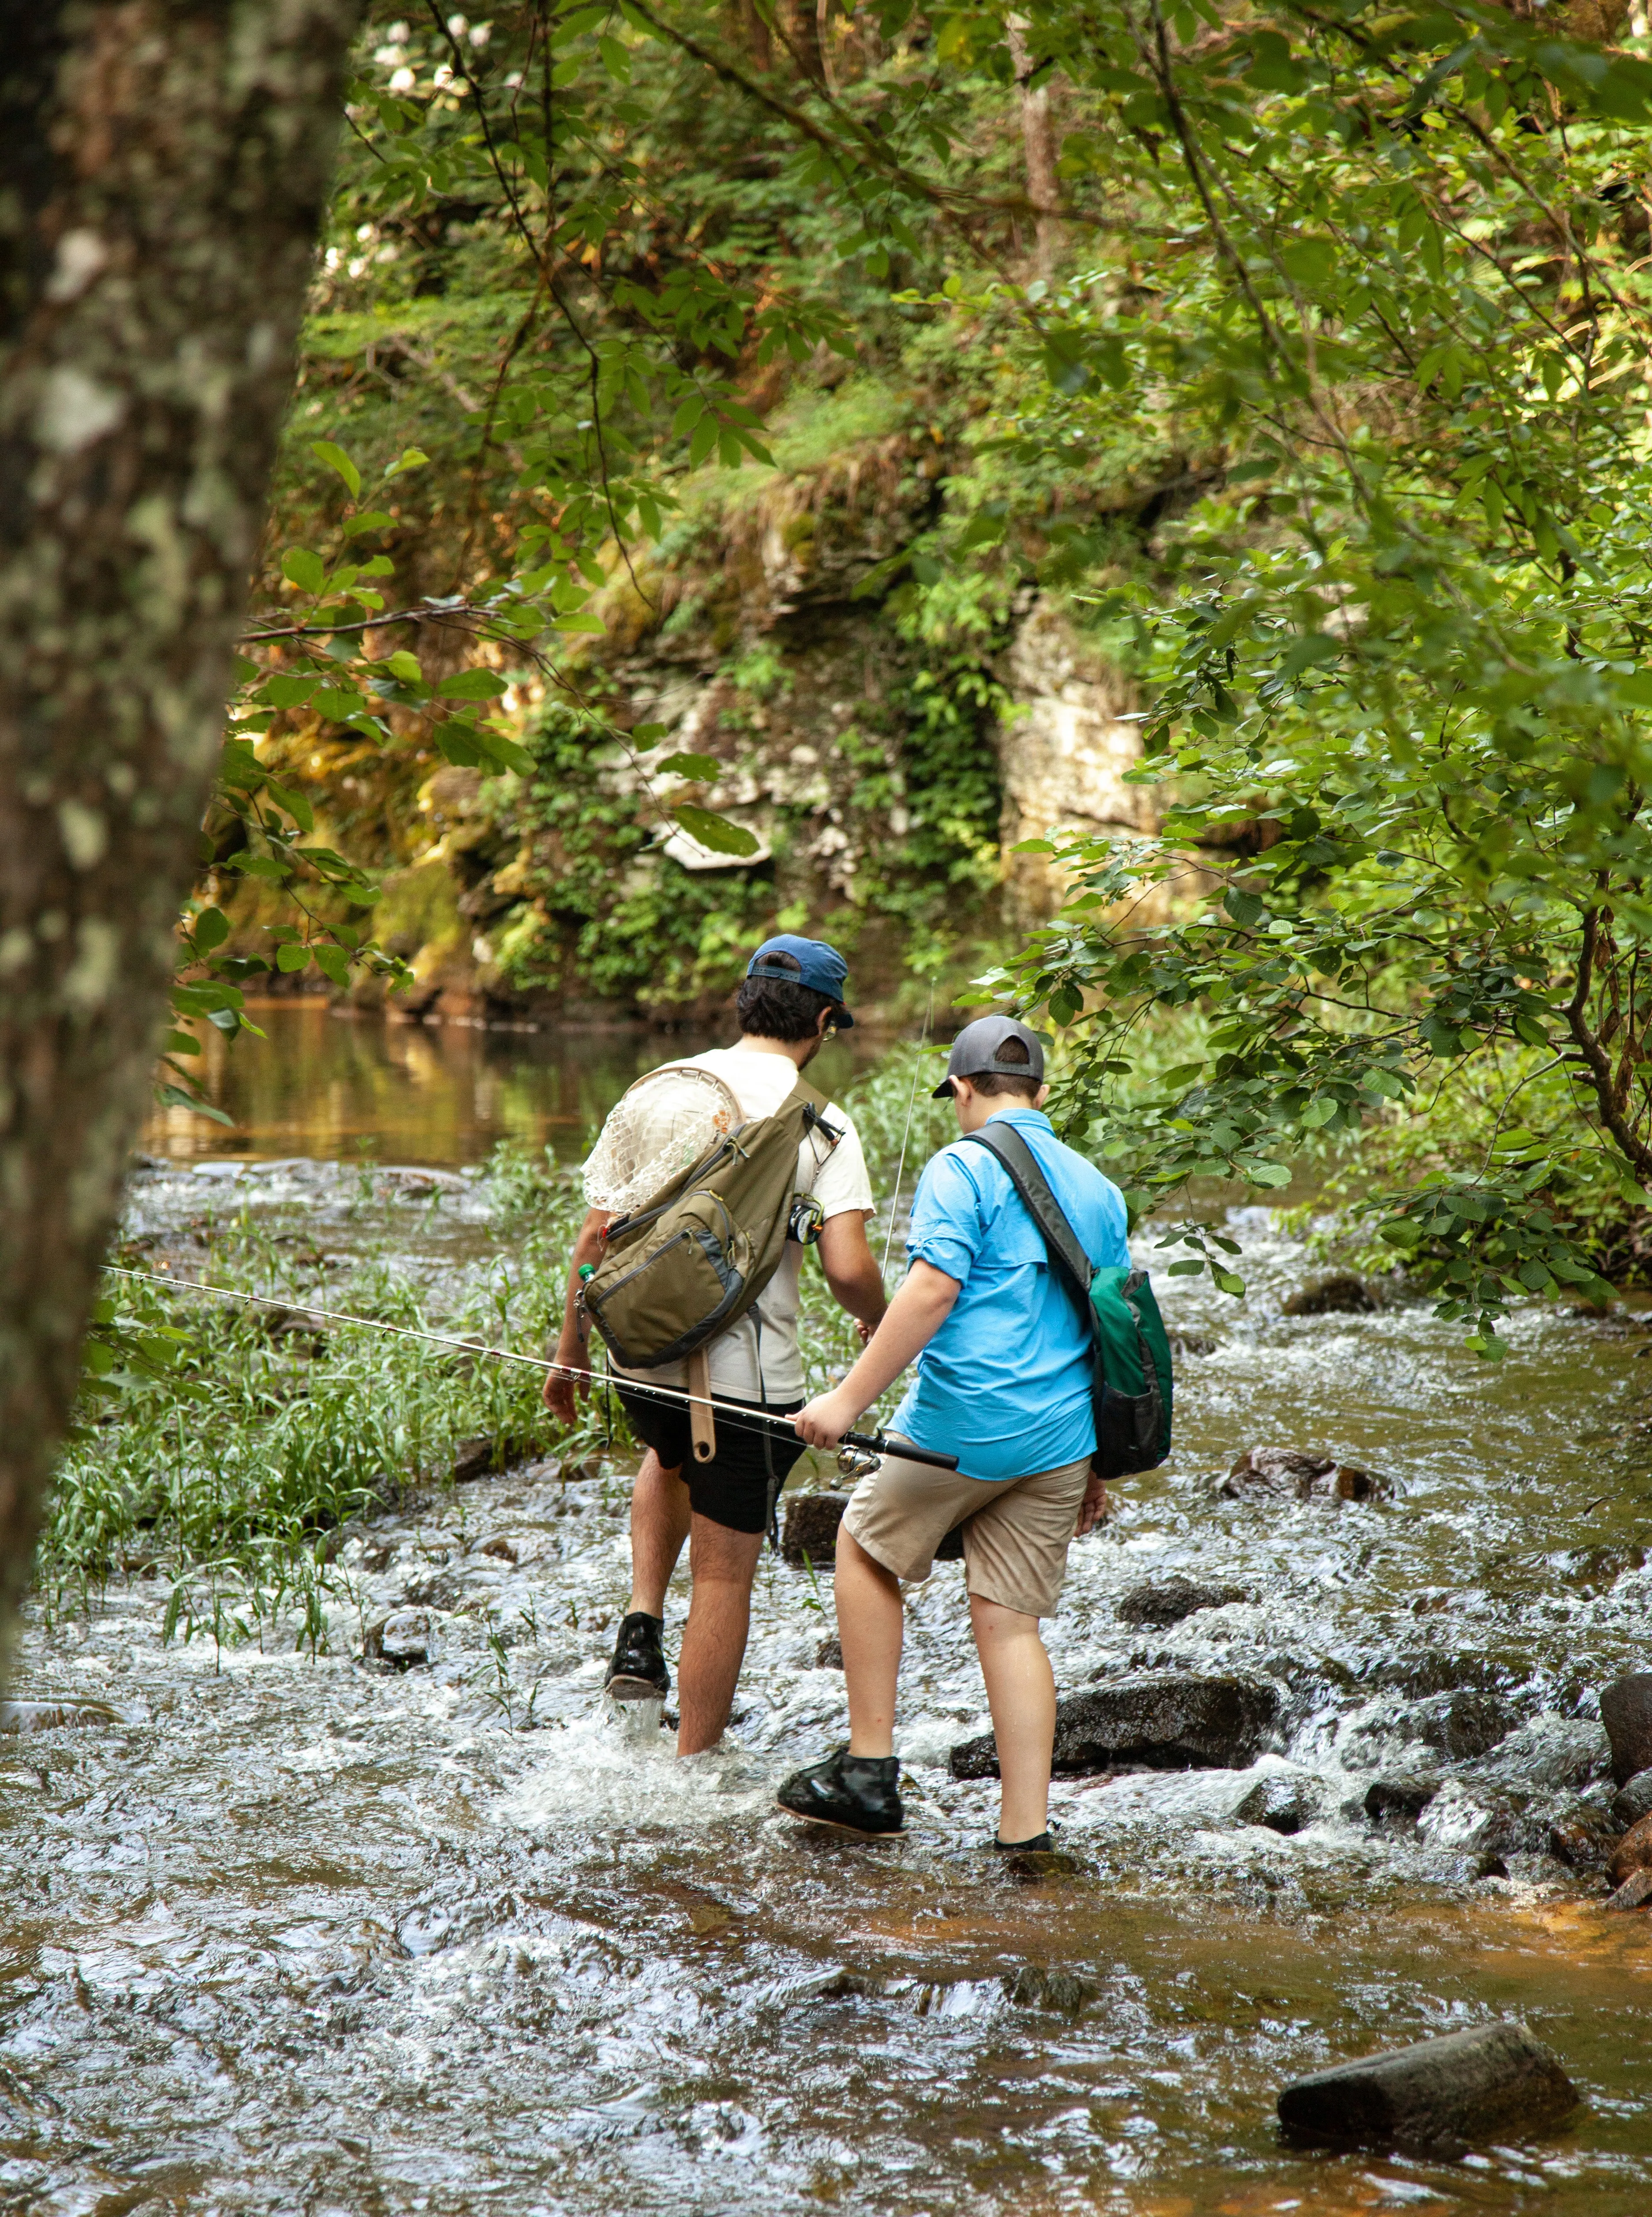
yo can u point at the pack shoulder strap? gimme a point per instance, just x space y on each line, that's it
1020 1165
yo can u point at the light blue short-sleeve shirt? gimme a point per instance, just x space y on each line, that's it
1006 1384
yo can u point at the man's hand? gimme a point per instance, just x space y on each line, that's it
823 1421
560 1392
1096 1507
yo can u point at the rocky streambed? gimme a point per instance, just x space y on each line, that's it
416 1924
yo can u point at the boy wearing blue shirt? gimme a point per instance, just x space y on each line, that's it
1004 1381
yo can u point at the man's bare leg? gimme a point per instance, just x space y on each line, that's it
659 1524
722 1564
870 1624
1020 1693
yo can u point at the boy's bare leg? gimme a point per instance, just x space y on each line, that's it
659 1524
870 1623
1020 1693
722 1564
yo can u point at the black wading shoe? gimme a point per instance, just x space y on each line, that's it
857 1794
638 1672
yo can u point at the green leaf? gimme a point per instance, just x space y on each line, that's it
304 568
336 458
583 619
294 956
706 768
1319 1112
1306 652
210 928
1271 1174
411 458
715 832
285 692
174 1096
404 667
472 685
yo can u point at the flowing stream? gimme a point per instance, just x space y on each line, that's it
282 1934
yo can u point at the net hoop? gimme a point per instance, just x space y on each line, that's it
663 1123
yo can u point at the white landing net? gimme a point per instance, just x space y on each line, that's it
666 1121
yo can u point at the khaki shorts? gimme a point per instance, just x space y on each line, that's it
1015 1541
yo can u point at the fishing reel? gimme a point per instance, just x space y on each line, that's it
855 1462
805 1221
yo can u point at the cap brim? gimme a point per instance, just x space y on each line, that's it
843 1020
943 1090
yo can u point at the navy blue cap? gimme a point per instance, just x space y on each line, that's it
808 962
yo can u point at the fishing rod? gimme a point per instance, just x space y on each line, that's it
868 1443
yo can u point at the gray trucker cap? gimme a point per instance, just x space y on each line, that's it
975 1052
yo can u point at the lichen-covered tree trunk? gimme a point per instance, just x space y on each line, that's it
164 168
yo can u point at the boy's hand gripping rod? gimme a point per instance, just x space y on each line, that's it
868 1443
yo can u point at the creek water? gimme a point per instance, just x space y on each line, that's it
284 1934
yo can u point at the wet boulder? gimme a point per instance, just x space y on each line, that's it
811 1528
1285 1805
1634 1891
1632 1802
1440 2097
1191 1342
828 1656
1627 1713
481 1457
1582 1838
433 1591
1164 1602
405 1639
1299 1472
1466 1723
1632 1853
1392 1804
1338 1294
1160 1720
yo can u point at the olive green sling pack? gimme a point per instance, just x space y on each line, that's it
1132 1389
685 1269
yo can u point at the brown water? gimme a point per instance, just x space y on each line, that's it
323 1083
297 1936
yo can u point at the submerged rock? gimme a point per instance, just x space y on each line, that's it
811 1528
1172 1720
1440 2097
1393 1802
1033 1987
1306 1474
55 1716
1283 1805
828 1656
1627 1713
1338 1294
1167 1600
1632 1802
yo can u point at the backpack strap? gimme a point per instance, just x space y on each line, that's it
1020 1165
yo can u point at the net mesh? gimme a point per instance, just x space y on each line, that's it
665 1122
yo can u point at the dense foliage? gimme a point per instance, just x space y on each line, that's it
1301 347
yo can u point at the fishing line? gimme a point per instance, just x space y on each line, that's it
875 1443
900 1167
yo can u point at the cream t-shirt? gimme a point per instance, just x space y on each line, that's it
837 1177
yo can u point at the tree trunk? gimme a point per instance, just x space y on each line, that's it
1038 142
163 168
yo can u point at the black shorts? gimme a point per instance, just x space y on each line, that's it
738 1487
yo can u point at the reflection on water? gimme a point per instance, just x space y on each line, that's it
327 1084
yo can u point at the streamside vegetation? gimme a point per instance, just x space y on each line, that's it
1299 353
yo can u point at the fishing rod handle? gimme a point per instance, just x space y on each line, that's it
879 1443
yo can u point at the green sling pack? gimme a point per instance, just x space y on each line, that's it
1132 1354
690 1265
